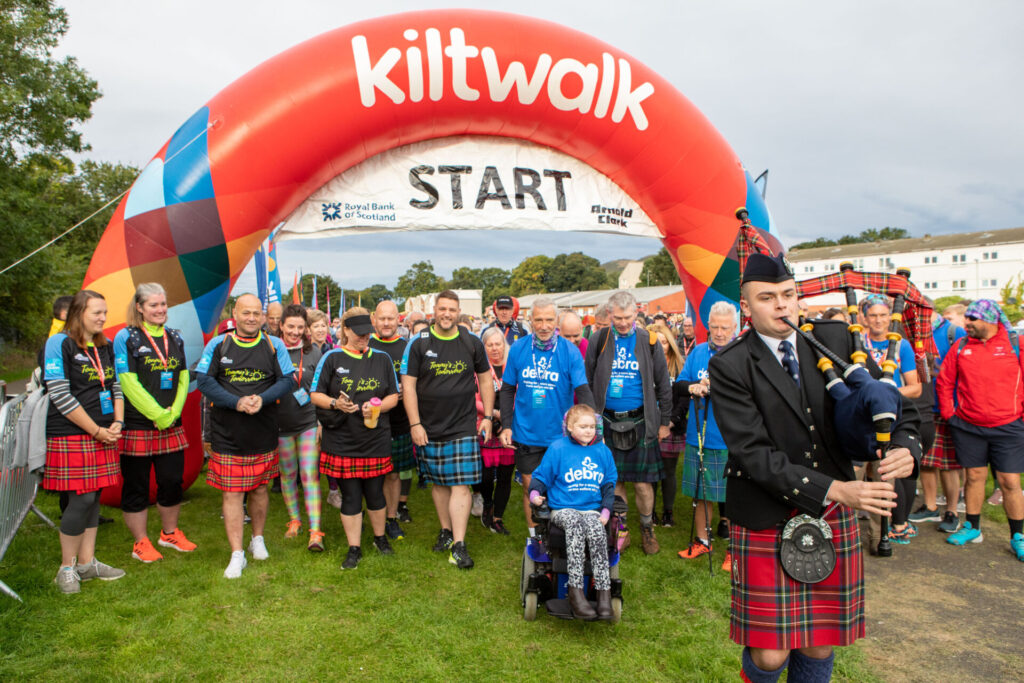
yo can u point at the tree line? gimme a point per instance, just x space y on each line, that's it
42 192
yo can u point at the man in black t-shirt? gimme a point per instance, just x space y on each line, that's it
397 481
242 375
440 375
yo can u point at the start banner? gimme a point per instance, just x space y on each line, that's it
468 182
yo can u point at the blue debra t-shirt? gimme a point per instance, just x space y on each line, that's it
625 391
904 357
545 382
574 475
694 370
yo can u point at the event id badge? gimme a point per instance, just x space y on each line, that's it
301 396
106 403
540 398
615 389
166 380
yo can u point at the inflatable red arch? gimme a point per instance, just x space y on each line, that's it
246 159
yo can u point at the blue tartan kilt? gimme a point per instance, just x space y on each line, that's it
713 485
451 463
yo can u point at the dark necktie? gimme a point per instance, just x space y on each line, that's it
789 361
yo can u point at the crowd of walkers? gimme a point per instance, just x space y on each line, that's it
575 408
369 401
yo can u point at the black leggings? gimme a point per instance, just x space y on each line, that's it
906 489
83 512
496 487
135 470
668 484
353 491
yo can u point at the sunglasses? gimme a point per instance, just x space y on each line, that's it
972 318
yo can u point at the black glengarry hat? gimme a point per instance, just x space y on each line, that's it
765 268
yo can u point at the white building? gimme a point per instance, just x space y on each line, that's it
630 275
974 265
469 301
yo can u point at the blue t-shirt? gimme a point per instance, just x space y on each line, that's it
941 336
694 370
904 357
574 475
625 390
545 383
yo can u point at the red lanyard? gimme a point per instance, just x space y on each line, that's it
97 366
166 354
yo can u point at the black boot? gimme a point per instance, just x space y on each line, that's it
487 518
581 607
604 605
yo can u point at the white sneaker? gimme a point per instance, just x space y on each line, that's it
334 498
258 548
236 565
478 505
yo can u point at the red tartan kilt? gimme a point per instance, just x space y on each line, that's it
342 467
81 464
231 472
146 442
772 611
942 454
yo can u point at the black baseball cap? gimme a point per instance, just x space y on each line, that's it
504 301
359 324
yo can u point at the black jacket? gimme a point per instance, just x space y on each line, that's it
783 449
657 385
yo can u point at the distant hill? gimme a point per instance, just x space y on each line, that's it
615 267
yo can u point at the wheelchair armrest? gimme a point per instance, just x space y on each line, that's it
540 513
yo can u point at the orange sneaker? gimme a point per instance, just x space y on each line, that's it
727 563
176 539
293 529
696 549
143 551
316 542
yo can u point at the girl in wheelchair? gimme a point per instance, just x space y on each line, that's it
577 478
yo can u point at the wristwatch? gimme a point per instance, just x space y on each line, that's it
489 417
334 403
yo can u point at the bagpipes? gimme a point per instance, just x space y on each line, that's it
866 409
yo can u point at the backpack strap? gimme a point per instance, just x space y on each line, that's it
950 333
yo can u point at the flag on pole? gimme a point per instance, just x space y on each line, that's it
341 307
316 301
295 290
261 275
273 275
327 287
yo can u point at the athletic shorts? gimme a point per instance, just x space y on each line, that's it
1003 446
528 457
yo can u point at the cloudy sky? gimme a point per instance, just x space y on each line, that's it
867 113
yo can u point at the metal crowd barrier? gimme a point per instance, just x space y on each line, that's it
17 485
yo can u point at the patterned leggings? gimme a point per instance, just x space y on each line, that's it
299 452
584 527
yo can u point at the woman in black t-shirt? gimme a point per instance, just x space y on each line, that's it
151 368
82 430
296 421
350 384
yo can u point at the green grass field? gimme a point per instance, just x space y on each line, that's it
411 616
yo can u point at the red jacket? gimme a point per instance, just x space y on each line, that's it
986 380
